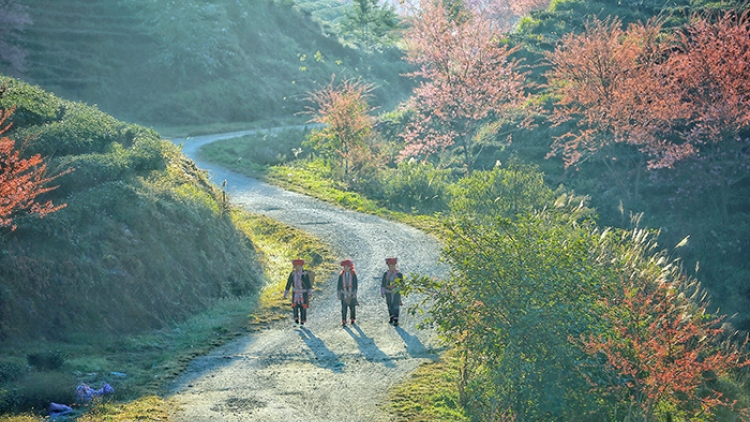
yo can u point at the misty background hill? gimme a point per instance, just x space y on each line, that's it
194 62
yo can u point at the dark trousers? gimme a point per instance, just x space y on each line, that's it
394 305
300 313
351 305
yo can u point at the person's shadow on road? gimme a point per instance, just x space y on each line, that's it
321 356
370 351
414 346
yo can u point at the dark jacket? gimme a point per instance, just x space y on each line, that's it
340 288
385 284
306 288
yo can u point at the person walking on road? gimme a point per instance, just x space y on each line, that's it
347 292
389 290
301 288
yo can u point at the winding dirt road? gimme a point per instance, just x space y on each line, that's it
323 372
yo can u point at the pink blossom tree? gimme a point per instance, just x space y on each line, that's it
671 97
343 111
710 71
467 79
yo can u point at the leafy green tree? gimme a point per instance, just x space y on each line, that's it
523 281
416 187
501 192
370 24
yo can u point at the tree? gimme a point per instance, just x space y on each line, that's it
21 181
609 83
370 23
521 283
343 110
505 192
467 80
13 18
710 70
670 97
662 349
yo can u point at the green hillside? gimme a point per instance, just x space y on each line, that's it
193 62
144 268
143 241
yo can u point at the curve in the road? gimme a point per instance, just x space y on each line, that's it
323 372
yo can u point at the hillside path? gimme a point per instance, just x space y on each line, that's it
322 373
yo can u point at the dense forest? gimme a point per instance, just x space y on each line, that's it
585 162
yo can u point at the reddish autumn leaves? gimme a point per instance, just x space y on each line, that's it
600 77
467 75
21 181
342 109
662 349
672 95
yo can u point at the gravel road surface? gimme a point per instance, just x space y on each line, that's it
323 372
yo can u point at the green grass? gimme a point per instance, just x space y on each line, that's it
429 394
281 244
257 156
149 360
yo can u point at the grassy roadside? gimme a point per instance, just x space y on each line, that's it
150 360
268 156
226 127
429 394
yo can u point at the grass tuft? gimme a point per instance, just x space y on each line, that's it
429 394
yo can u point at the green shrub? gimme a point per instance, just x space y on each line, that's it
90 170
37 389
9 370
77 129
34 106
516 189
49 360
415 187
